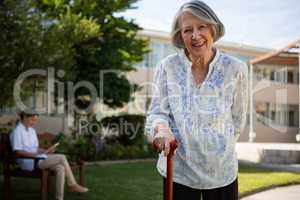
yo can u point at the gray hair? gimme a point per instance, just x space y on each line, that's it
204 13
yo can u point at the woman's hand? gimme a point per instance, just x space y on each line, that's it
163 138
41 151
46 151
50 150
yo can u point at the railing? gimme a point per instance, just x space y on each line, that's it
272 123
259 77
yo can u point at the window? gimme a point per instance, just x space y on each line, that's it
273 115
272 77
155 55
291 118
297 117
293 115
290 77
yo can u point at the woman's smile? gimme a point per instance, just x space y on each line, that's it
196 35
198 44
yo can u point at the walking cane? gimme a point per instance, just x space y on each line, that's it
169 181
169 185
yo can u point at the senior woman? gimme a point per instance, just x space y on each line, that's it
199 99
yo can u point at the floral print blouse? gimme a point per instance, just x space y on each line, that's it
206 119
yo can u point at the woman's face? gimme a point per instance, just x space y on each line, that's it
30 121
196 35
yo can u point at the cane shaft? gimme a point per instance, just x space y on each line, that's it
169 184
169 188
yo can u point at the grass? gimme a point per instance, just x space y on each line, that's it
252 180
135 181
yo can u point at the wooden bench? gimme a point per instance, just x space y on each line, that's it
10 169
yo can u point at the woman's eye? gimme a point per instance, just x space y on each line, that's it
202 26
186 30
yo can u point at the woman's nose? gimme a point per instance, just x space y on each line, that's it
195 34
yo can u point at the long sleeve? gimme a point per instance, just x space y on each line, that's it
159 108
240 101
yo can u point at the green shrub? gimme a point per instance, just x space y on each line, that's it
76 146
129 143
130 129
118 152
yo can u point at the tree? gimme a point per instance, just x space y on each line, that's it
27 43
80 36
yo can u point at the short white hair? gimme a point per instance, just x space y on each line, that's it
201 11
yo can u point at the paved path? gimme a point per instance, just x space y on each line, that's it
280 193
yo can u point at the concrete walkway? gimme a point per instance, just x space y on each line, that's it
280 193
272 153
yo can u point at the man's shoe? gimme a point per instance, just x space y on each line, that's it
78 188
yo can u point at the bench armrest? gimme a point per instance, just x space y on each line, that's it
35 159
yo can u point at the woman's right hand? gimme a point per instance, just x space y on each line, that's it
163 138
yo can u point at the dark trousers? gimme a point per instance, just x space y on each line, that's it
182 192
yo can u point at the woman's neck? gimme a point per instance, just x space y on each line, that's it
204 61
25 124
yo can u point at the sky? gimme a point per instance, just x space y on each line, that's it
261 23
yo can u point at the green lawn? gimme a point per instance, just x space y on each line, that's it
253 179
136 181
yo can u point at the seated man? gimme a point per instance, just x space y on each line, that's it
24 142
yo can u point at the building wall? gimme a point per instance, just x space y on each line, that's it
267 134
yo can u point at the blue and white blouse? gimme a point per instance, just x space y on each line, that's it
206 119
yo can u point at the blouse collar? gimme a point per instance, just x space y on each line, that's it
189 63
